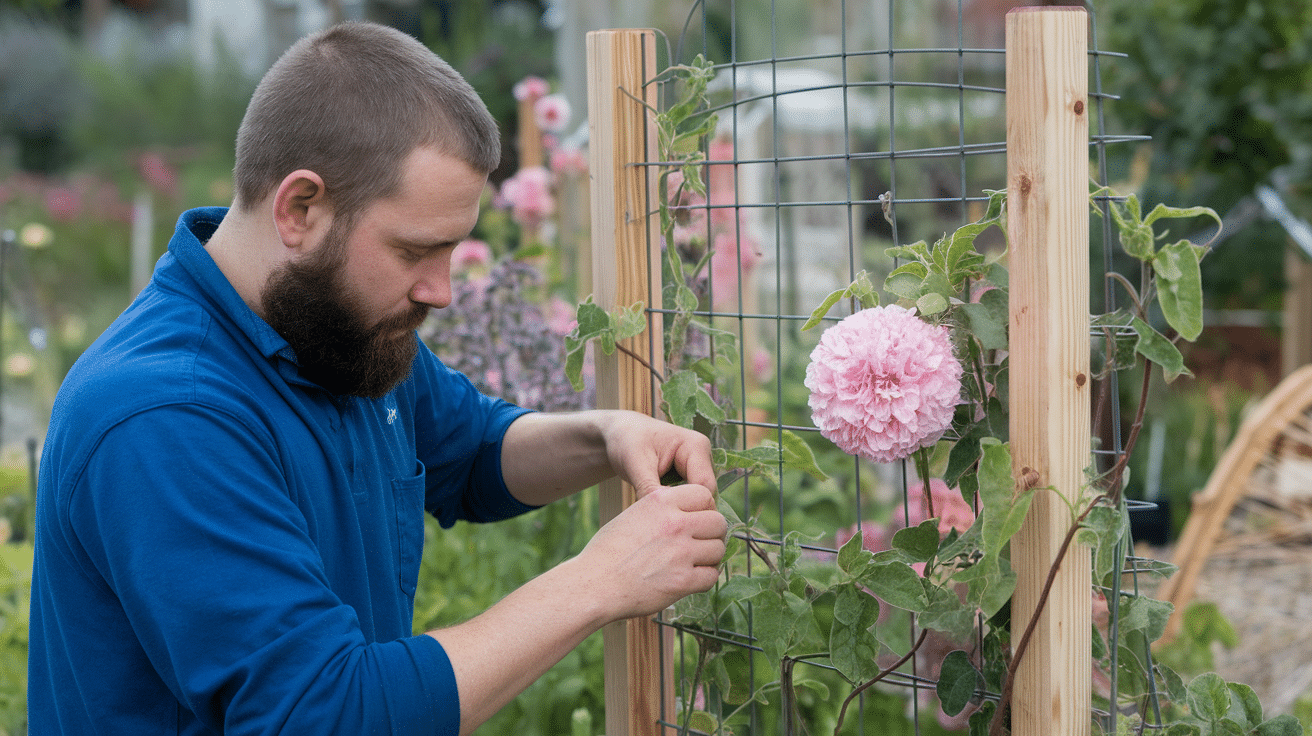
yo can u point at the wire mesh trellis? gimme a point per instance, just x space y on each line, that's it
841 134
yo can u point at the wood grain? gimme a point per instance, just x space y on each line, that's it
625 270
1048 228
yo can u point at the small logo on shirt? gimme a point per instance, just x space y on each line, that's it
391 414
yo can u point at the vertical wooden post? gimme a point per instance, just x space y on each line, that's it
626 269
1296 325
1048 225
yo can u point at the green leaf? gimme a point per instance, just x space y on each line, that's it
757 460
821 311
1281 725
1208 697
987 319
946 613
699 721
797 455
958 681
741 589
1245 698
920 543
1004 506
853 557
1147 615
1170 683
1155 347
853 648
1182 729
897 584
1228 727
1180 288
964 453
980 719
931 304
860 289
905 284
1162 211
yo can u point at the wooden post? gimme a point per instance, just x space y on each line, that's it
1296 325
1048 225
626 269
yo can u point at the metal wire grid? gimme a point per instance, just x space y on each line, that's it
979 164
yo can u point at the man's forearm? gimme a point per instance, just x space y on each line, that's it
499 653
545 457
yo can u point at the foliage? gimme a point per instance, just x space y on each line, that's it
1222 86
827 610
15 591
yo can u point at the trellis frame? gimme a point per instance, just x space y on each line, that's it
1048 174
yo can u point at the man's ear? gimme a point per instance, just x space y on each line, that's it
300 209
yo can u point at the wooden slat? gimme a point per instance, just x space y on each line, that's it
1228 483
626 270
1048 226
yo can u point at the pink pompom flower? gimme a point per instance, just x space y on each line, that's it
883 383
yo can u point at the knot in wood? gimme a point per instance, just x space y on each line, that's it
1029 478
1025 184
1079 107
1080 380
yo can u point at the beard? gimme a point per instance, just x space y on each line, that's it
324 322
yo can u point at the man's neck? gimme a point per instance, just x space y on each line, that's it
246 250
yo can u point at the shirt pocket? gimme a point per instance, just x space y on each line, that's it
409 498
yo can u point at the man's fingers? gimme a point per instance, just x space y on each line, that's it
691 497
709 525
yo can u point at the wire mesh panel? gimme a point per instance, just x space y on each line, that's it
805 150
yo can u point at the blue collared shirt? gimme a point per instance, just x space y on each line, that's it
223 546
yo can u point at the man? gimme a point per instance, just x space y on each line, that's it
232 488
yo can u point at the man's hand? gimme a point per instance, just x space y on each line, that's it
545 457
642 449
668 544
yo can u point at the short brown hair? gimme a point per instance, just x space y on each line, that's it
350 103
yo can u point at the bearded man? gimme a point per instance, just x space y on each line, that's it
231 500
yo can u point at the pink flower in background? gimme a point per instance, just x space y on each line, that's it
569 161
762 364
560 316
721 182
552 113
528 193
530 88
158 174
950 508
63 203
470 254
731 251
883 383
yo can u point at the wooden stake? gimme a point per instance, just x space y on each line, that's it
626 269
1048 225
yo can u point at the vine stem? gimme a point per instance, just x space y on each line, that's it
1113 495
659 376
1004 703
922 469
842 714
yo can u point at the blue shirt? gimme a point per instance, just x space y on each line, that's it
223 546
